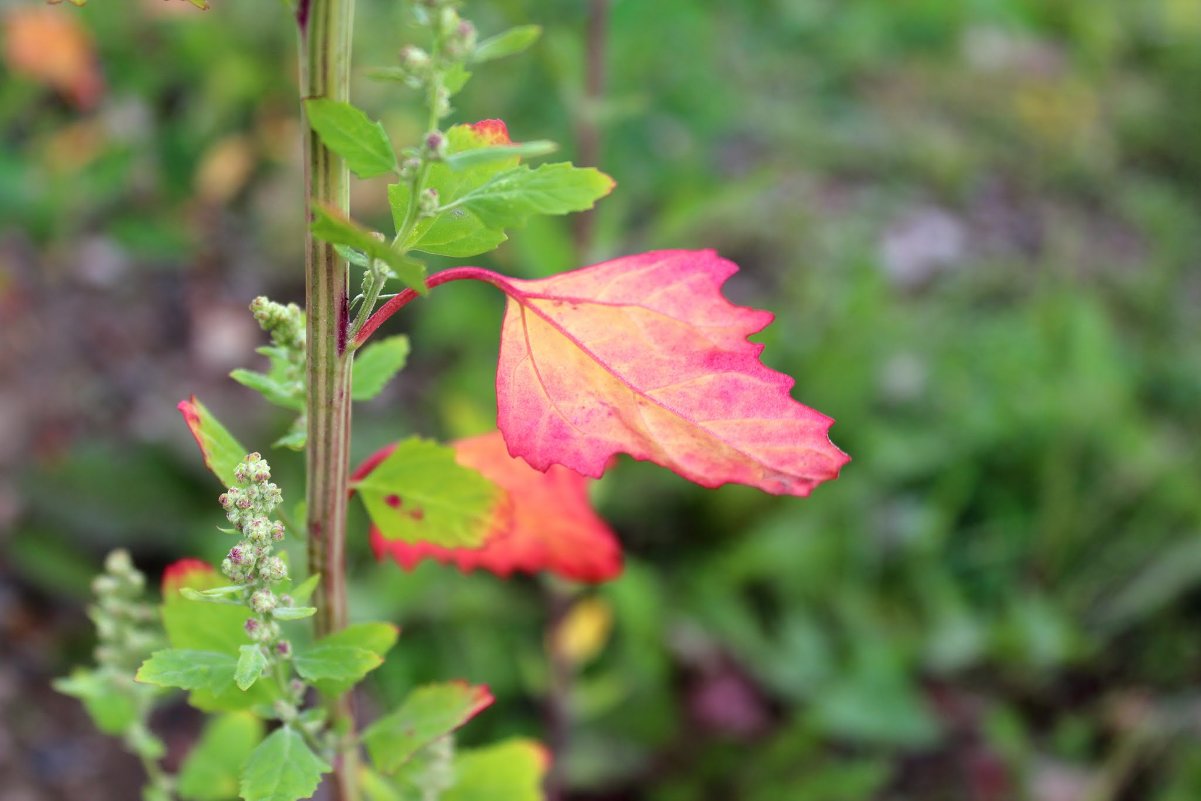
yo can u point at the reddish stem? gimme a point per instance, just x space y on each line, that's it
381 315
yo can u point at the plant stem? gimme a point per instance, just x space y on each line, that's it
325 33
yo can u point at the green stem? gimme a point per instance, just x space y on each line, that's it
325 33
418 183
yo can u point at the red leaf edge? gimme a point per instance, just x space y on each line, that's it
185 572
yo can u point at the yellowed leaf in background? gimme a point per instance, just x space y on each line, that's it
50 46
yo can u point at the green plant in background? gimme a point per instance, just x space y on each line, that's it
639 355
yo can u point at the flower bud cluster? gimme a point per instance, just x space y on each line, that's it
455 39
262 631
416 65
248 507
460 35
285 324
125 623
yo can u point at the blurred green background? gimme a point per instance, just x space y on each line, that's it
979 225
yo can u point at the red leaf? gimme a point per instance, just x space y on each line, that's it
220 450
552 525
643 355
493 132
187 572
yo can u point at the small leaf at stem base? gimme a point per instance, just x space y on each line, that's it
428 713
282 768
552 527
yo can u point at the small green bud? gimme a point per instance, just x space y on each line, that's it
414 59
118 563
409 168
285 711
257 530
253 468
262 601
448 21
427 206
461 40
274 569
283 649
442 102
434 146
104 585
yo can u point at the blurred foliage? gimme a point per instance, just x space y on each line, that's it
978 224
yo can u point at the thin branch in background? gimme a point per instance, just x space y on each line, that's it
557 709
588 133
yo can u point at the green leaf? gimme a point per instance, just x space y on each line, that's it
457 233
304 590
376 787
352 135
189 670
220 592
493 153
111 710
251 663
296 436
376 364
377 638
421 493
455 78
282 768
398 74
507 43
512 770
220 450
273 390
427 713
204 626
194 625
293 612
329 225
212 768
512 196
483 194
339 662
